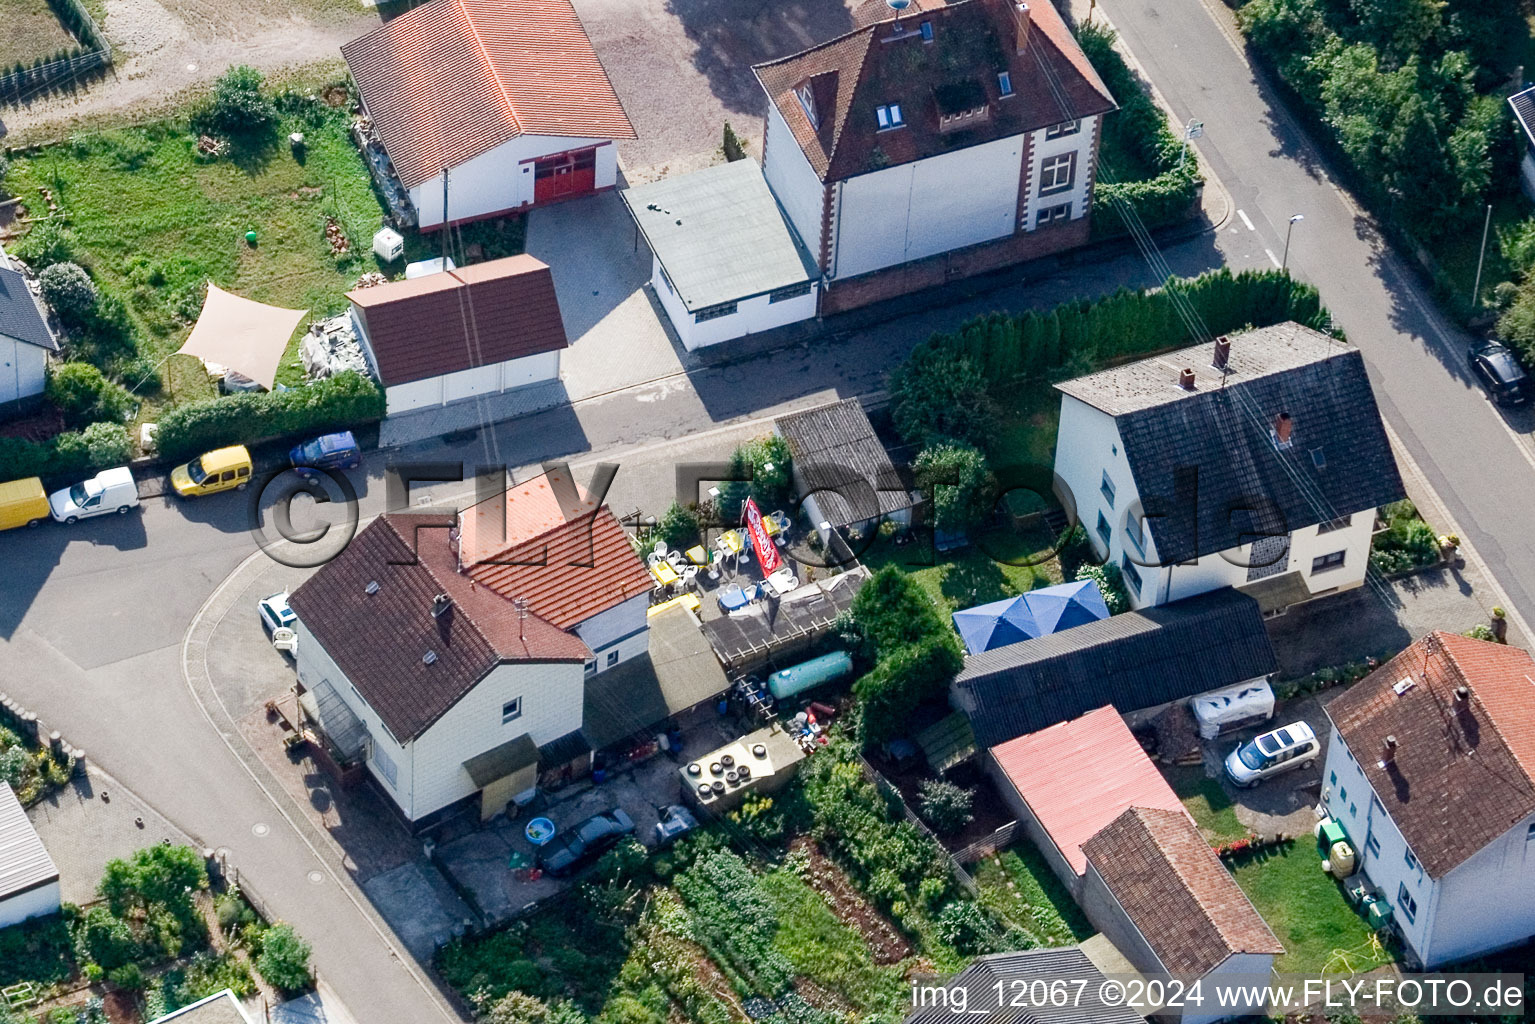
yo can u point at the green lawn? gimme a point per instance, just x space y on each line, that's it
1308 912
31 30
1018 885
1207 802
988 570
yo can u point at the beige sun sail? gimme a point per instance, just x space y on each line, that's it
246 336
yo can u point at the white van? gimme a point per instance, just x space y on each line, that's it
111 490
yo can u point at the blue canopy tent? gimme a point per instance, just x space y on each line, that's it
1037 613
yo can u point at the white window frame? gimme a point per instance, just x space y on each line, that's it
1131 573
1051 182
806 99
1052 215
612 658
1106 488
1326 563
386 767
1058 131
511 710
1340 523
1104 531
1405 903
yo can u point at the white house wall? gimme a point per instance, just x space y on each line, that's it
929 206
1081 144
479 380
315 665
552 698
623 627
37 902
23 369
1238 972
792 180
1485 903
500 180
753 315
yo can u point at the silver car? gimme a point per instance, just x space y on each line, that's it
1290 746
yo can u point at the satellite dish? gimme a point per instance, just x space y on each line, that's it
898 5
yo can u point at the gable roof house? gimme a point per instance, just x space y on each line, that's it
25 343
29 879
1431 772
1155 887
932 143
970 994
480 330
1138 662
842 468
1256 461
451 654
505 97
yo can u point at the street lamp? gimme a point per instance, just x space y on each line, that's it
1285 263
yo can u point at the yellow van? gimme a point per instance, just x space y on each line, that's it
23 503
212 472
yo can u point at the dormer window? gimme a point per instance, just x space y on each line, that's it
927 31
889 116
1005 84
807 103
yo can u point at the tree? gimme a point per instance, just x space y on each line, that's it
284 959
69 290
107 938
902 682
238 107
960 483
763 469
85 396
963 924
678 527
940 395
1398 28
891 610
157 876
946 807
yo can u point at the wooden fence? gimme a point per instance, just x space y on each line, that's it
987 845
891 792
93 54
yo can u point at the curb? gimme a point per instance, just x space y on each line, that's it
1428 501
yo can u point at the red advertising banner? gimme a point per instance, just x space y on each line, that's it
767 555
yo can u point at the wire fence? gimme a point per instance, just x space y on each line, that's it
892 793
93 54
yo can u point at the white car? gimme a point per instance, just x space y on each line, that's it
1290 746
275 613
110 491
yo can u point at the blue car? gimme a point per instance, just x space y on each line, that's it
333 451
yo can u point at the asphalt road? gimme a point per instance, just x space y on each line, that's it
92 619
1477 457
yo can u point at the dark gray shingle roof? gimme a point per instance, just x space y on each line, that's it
1132 661
840 460
1339 461
979 981
19 316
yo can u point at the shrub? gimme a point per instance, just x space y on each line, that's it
678 527
945 806
342 401
1111 584
106 939
284 960
156 876
68 289
734 148
625 862
734 920
44 245
128 976
1480 631
772 489
902 682
84 395
957 479
939 394
891 610
238 107
963 924
518 1008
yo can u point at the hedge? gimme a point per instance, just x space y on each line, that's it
343 401
1128 323
98 446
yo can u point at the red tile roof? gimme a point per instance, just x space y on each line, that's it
1176 891
1080 775
379 640
565 557
1462 774
479 315
853 74
453 79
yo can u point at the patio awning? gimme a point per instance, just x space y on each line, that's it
246 336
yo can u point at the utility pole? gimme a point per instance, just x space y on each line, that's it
1192 130
1284 264
1476 289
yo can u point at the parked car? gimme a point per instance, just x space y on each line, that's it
1290 746
110 491
676 821
1500 373
583 844
23 503
333 451
275 613
212 472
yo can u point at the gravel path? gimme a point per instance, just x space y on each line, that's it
167 48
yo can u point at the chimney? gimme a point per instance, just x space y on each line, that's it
1186 379
440 604
1388 752
1282 427
1222 352
1020 26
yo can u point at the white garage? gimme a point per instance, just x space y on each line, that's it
461 334
29 880
25 343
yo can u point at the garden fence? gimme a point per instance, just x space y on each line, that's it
987 845
94 54
891 792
